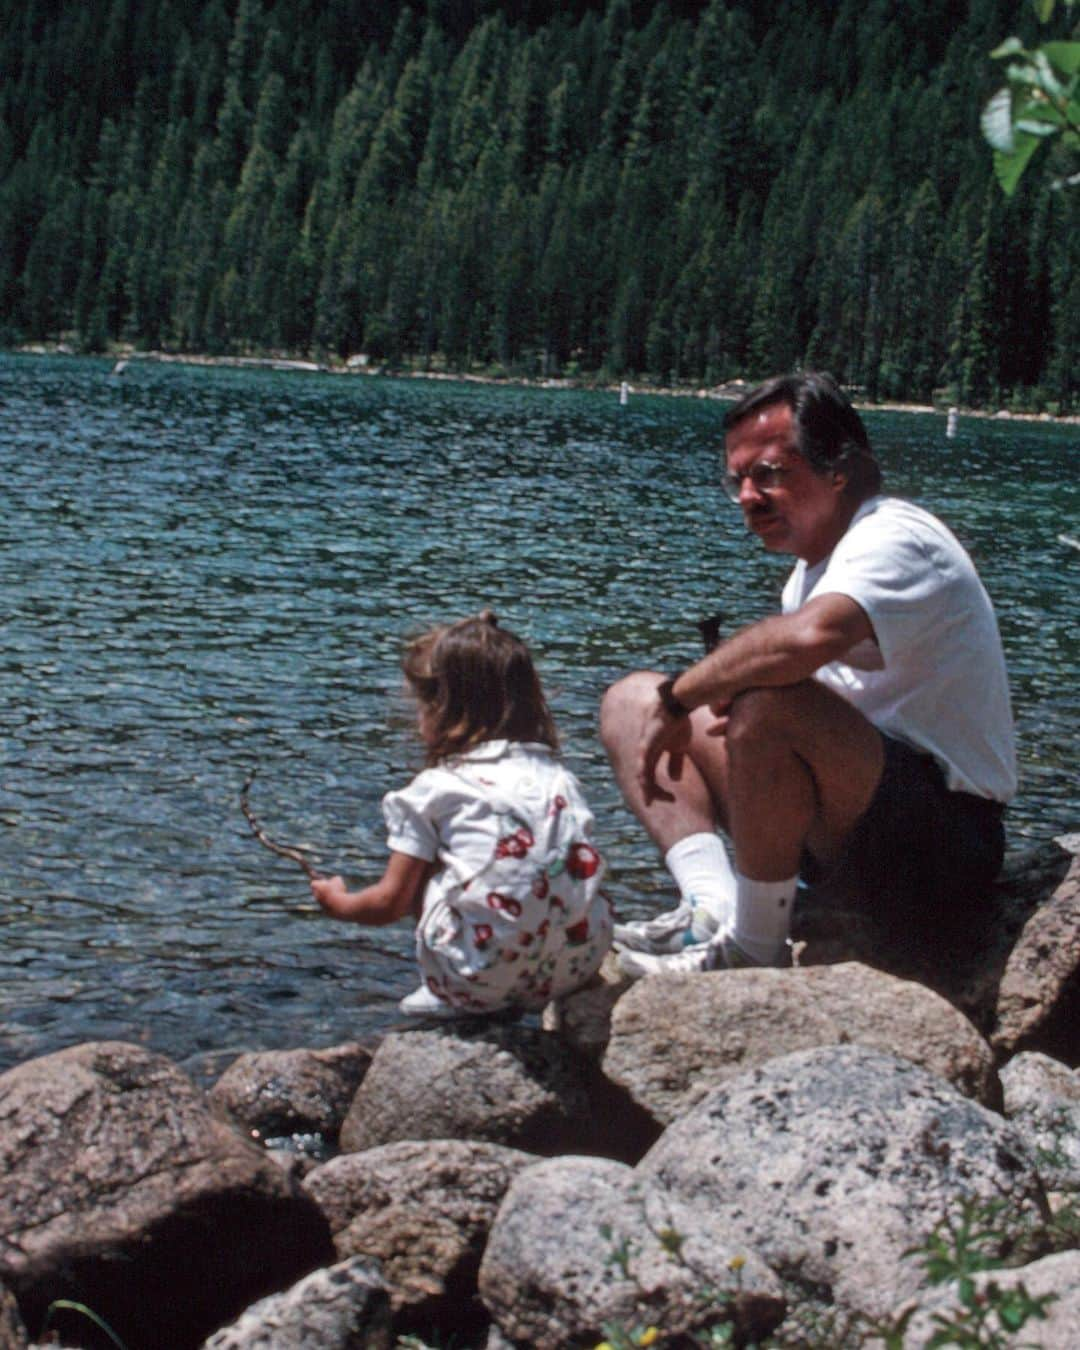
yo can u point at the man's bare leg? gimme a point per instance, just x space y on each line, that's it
796 768
682 821
803 765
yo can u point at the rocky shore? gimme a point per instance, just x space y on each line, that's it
124 354
734 1158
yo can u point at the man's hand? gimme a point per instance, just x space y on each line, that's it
661 734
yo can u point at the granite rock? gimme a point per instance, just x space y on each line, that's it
422 1210
340 1307
576 1245
835 1163
120 1189
675 1037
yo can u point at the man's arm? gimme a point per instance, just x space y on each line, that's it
782 649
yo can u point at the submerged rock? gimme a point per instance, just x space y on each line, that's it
283 1093
120 1189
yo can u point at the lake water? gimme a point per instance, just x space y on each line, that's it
208 570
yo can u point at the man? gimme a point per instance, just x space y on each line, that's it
862 738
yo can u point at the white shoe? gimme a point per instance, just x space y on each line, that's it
721 954
423 1003
663 933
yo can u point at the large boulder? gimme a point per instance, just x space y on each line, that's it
343 1307
422 1210
1053 1282
834 1164
576 1247
1042 1097
282 1094
511 1085
966 961
583 1018
1038 1002
676 1037
120 1189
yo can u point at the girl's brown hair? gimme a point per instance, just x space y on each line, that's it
476 682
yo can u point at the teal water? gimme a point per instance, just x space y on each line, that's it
210 570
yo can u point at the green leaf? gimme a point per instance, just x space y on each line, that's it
1012 46
1044 9
1064 55
1040 126
1010 168
997 124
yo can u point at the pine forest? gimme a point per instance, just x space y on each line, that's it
677 193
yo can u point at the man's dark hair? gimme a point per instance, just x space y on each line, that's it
829 433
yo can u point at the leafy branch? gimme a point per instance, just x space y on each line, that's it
1039 102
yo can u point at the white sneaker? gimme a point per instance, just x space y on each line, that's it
663 933
721 954
423 1003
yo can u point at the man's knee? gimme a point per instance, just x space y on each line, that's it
623 705
761 712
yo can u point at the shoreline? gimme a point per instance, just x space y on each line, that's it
353 366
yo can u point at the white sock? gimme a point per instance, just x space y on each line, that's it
706 880
763 916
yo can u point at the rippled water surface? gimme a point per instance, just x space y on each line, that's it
209 570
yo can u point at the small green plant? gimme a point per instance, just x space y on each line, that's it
713 1304
989 1315
69 1305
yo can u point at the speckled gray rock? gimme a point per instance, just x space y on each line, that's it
423 1211
1042 1096
1038 1004
119 1188
276 1093
834 1163
576 1244
675 1037
342 1307
12 1331
1057 1276
583 1018
510 1085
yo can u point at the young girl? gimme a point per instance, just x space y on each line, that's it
489 845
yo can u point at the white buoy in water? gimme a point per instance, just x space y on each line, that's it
950 424
624 394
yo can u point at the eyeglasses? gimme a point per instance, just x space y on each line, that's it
764 477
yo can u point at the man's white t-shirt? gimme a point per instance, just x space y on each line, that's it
935 678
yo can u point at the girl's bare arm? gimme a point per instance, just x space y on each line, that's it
398 893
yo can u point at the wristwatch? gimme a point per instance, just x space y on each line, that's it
665 692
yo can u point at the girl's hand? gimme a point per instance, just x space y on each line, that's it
397 893
331 893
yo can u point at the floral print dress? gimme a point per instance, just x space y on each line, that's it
515 915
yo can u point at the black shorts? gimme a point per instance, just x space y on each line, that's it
918 851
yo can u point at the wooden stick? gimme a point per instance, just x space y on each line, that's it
282 850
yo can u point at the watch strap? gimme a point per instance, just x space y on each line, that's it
665 691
